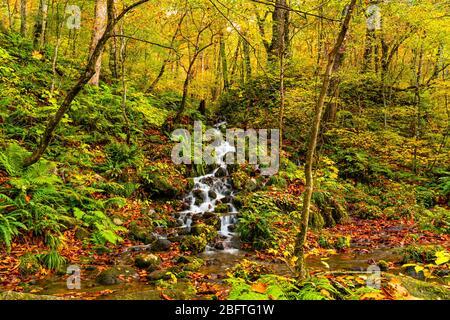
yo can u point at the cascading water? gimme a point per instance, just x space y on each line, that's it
209 191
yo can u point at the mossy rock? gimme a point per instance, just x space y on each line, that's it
158 275
163 184
12 295
142 234
222 208
29 264
194 244
114 275
212 219
422 289
147 261
189 263
82 234
161 245
277 181
202 229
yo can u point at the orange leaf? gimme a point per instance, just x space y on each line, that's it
259 287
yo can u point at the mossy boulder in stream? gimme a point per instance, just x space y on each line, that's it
147 261
202 229
163 180
421 289
142 234
12 295
117 275
29 264
194 244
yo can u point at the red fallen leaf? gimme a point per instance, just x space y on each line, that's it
165 296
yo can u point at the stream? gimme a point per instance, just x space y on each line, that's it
209 191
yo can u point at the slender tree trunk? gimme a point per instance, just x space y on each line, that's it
315 127
223 59
99 28
23 17
167 60
417 98
113 52
59 26
40 25
247 61
123 55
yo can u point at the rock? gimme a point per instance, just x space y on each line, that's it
12 295
147 261
383 265
29 264
142 234
198 194
411 271
117 221
82 234
213 221
161 245
221 172
222 208
227 199
69 222
112 275
208 215
219 245
212 194
158 275
232 227
195 244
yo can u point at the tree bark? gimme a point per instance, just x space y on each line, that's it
23 17
312 143
223 59
40 25
98 30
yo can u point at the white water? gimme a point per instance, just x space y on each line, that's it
210 190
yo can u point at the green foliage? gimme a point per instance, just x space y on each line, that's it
52 260
256 222
104 229
424 254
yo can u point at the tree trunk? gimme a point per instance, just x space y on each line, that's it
40 25
163 66
223 59
315 126
280 30
247 62
23 17
113 52
98 30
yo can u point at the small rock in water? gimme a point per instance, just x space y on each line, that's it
219 245
221 172
231 227
212 194
147 261
161 245
115 274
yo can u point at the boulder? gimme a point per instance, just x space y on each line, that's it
161 245
116 275
147 261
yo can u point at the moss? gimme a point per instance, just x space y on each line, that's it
29 264
195 244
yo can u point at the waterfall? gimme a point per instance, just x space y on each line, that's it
210 190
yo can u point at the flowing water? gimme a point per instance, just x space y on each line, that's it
209 191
